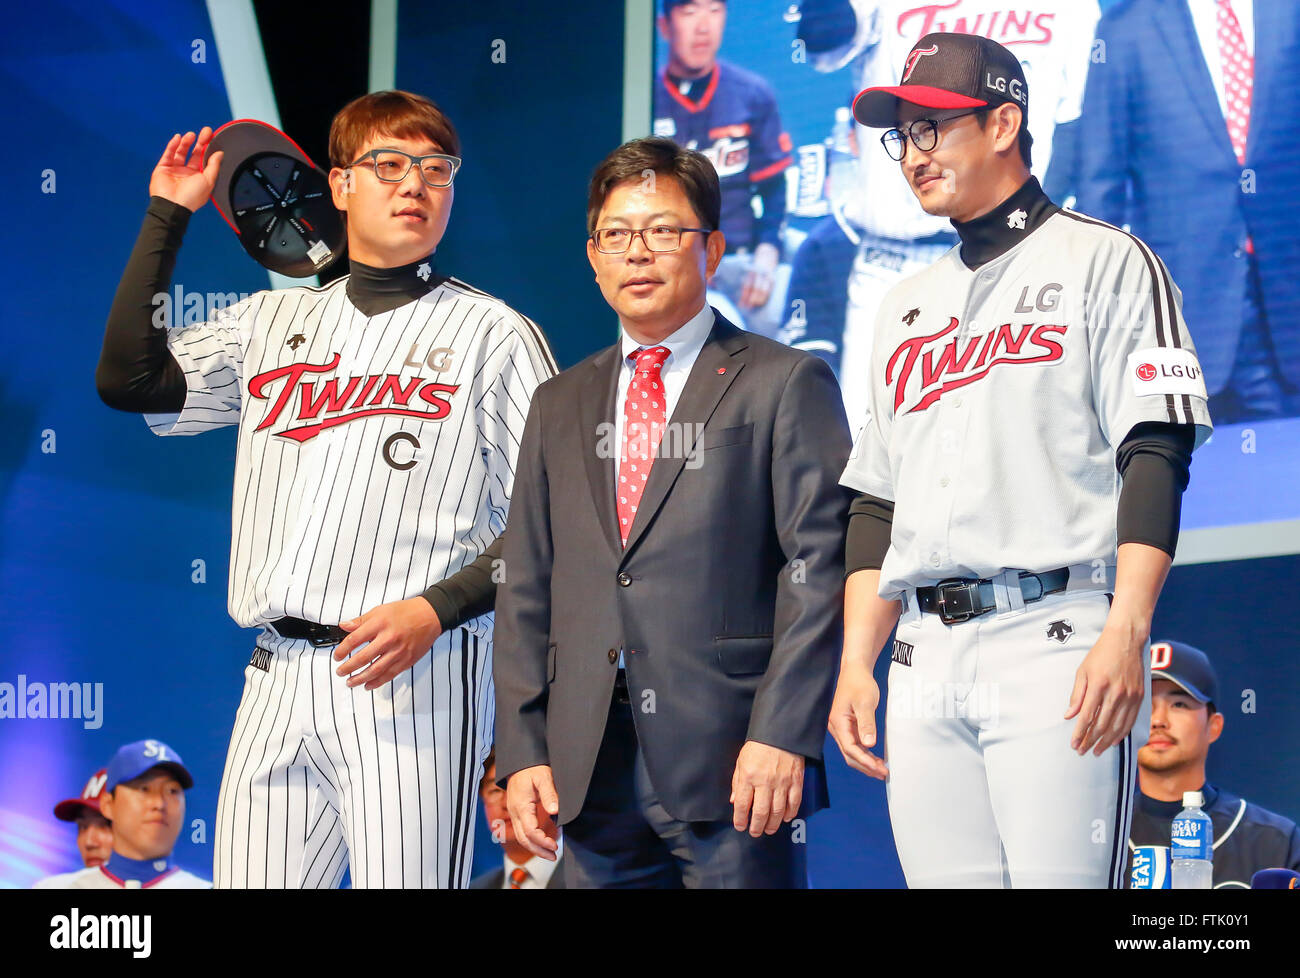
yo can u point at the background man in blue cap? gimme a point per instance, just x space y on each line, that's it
1184 723
144 798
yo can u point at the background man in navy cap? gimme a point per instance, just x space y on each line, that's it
144 798
1184 723
94 831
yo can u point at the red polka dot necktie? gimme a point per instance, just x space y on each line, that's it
517 877
1238 77
644 416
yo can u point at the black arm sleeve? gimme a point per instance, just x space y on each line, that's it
871 521
767 229
1154 461
136 371
469 592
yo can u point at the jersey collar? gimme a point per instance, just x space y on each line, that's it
1004 227
686 103
1168 809
144 871
379 290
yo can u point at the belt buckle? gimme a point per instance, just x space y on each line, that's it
319 636
965 608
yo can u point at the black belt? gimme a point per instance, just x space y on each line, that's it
959 599
316 634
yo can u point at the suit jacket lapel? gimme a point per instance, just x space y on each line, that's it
596 407
1270 34
1175 25
717 366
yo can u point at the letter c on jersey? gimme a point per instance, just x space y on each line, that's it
390 456
1162 654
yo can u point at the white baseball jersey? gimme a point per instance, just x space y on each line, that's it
98 878
998 399
375 457
1052 39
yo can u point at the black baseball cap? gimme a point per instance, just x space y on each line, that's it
275 199
948 71
1187 668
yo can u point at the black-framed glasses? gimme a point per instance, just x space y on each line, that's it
661 237
392 166
924 134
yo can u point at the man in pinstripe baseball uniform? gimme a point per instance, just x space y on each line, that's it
1034 402
378 421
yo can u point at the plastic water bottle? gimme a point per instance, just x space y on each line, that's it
841 164
1192 846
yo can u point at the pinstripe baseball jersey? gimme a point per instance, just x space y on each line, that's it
999 395
375 456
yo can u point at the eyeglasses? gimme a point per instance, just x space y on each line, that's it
615 241
924 134
392 166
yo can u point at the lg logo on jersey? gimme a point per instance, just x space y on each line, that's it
439 358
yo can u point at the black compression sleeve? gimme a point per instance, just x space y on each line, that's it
469 592
1154 461
136 371
767 229
871 521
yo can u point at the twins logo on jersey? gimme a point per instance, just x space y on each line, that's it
948 361
332 405
1018 25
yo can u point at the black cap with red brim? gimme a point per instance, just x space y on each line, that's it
948 71
275 199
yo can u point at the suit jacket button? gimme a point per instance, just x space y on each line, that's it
613 656
624 580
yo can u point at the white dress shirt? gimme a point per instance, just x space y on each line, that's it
539 871
684 345
1205 18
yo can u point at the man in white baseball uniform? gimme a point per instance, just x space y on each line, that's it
379 418
1034 400
872 38
143 795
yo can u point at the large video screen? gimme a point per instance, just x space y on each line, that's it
1141 118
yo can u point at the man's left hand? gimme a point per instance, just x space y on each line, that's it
394 636
766 788
1108 689
760 278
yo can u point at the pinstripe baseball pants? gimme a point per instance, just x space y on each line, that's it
320 777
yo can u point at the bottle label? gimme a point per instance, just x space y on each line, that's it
1191 839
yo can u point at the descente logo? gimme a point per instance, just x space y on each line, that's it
109 932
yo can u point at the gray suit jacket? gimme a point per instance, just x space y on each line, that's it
727 597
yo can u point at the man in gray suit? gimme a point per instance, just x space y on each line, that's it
668 628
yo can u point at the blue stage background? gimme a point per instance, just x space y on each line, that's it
98 538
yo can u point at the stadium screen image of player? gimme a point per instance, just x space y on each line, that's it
821 223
